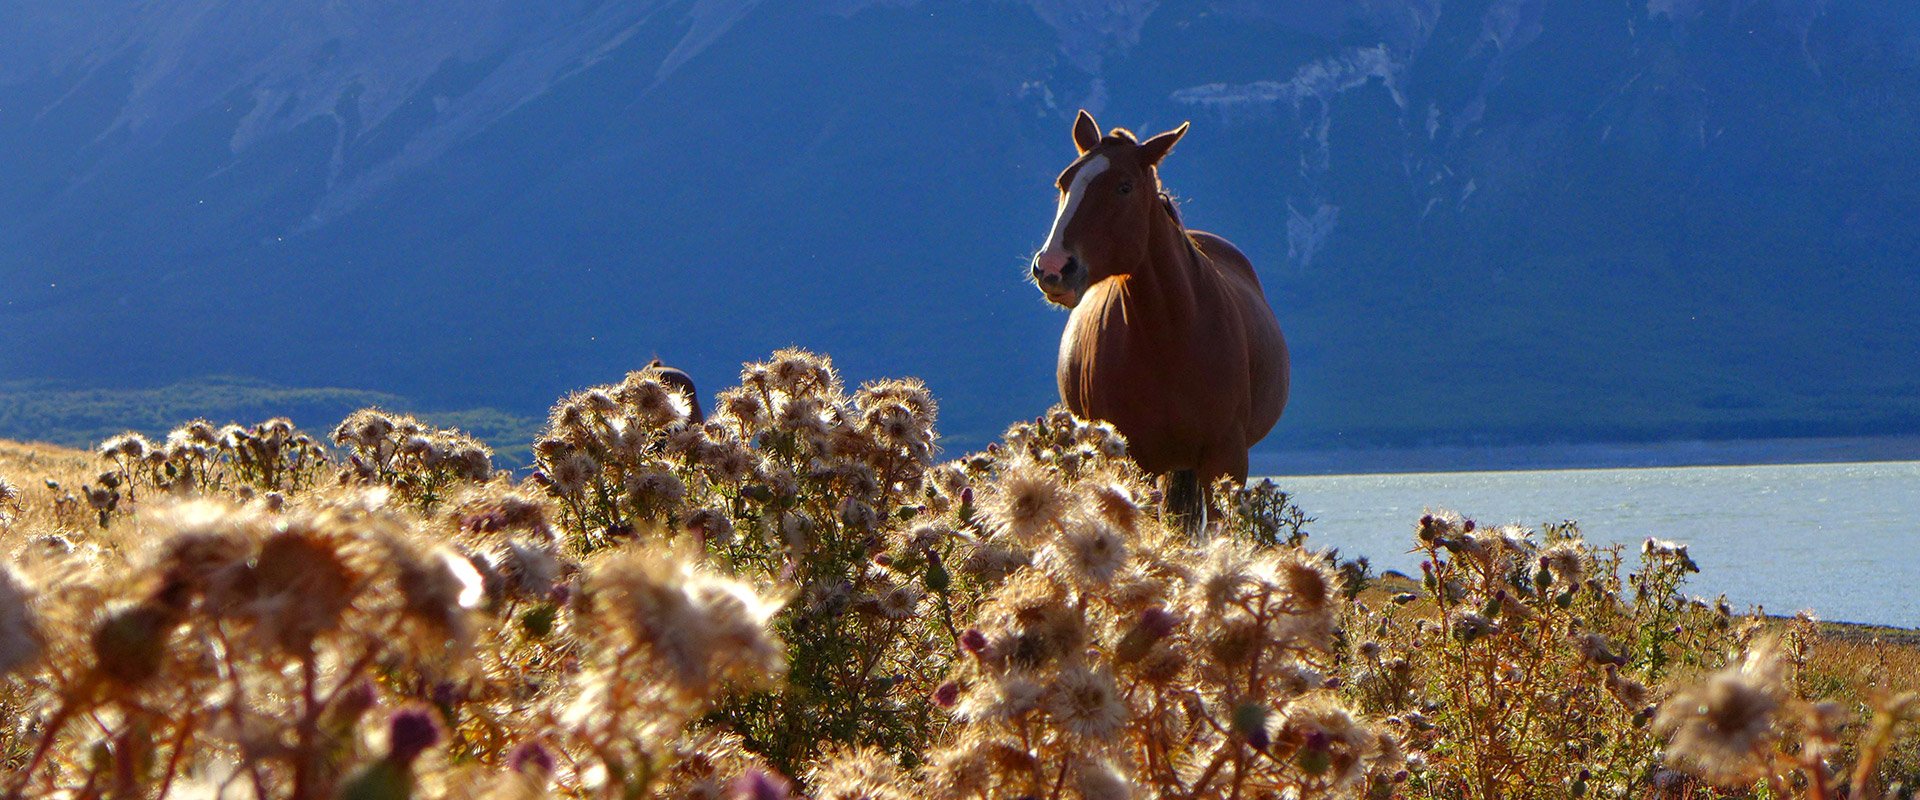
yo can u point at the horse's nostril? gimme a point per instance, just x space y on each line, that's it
1072 266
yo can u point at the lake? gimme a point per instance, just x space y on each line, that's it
1840 539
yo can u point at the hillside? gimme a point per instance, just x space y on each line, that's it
1479 220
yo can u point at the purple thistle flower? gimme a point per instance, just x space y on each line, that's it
357 698
530 756
1158 622
946 694
974 641
446 694
410 732
757 784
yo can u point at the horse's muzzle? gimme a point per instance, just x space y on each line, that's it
1064 274
1062 285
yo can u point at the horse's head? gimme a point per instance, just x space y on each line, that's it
1108 197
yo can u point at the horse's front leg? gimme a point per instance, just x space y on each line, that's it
1187 492
1183 502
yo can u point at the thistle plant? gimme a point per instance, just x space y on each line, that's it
250 649
1521 672
618 458
421 463
1754 726
1114 659
233 622
797 596
9 504
268 458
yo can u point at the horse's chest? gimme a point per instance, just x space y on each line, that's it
1113 368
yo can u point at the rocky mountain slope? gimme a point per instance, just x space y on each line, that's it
1515 220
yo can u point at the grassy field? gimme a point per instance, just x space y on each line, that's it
803 596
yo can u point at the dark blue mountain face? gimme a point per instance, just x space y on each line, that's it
1478 220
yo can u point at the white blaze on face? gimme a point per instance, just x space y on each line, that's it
1054 254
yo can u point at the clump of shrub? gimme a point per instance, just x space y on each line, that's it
797 595
419 462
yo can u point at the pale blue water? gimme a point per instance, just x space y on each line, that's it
1840 539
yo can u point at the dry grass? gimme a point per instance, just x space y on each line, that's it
800 596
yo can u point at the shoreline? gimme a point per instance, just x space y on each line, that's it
1588 455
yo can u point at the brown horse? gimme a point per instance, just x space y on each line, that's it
1170 337
679 381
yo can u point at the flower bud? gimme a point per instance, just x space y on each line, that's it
1153 625
973 641
129 643
937 579
531 758
1250 721
946 694
410 732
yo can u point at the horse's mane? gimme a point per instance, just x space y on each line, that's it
1172 207
1173 211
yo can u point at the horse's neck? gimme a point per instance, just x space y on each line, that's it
1169 284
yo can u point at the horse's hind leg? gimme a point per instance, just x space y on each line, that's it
1190 505
1184 502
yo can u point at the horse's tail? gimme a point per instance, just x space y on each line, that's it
1184 502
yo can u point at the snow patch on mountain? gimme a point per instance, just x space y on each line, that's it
1309 96
1510 25
1315 83
1090 30
1307 234
1677 10
709 19
355 63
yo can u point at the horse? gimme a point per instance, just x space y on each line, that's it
1169 337
679 381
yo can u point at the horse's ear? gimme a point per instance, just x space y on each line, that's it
1086 134
1156 148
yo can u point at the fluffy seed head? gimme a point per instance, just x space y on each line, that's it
19 638
858 774
1085 703
1088 554
702 628
572 472
1567 561
1310 582
1002 699
131 446
1724 726
438 587
711 525
744 408
1321 725
1026 502
654 402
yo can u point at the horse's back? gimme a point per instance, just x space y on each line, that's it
1225 256
1269 367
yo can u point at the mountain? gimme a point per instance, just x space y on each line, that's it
1479 220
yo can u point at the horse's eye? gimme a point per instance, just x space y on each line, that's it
1126 186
